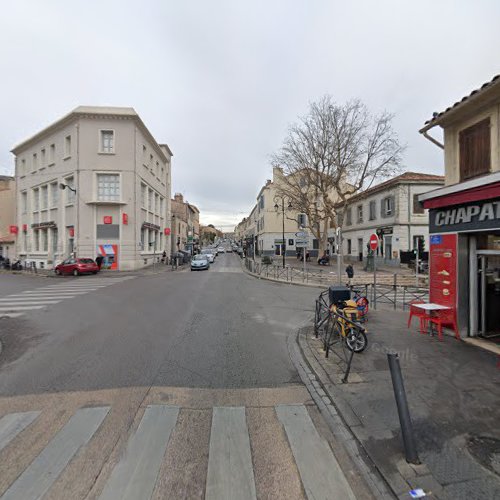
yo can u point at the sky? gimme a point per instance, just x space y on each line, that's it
220 81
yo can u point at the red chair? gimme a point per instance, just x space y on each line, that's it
445 317
420 314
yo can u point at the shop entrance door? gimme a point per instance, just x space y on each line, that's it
488 295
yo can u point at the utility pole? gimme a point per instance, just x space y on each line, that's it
279 198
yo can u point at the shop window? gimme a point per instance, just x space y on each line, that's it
417 207
475 150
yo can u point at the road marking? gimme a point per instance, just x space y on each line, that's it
320 472
135 475
13 423
19 308
29 302
47 292
230 471
34 482
10 315
39 297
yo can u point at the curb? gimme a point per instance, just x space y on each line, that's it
371 475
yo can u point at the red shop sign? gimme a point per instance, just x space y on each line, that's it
25 228
71 232
13 229
125 219
167 231
108 219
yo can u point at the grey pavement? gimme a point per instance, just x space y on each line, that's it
155 360
453 391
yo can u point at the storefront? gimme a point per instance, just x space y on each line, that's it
464 226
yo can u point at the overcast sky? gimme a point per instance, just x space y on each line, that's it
220 81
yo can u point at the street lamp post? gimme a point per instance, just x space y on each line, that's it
277 207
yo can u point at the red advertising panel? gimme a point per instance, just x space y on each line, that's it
108 219
71 231
125 219
443 269
13 229
167 231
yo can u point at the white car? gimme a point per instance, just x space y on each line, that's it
210 254
221 250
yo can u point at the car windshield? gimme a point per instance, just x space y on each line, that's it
206 252
85 261
199 257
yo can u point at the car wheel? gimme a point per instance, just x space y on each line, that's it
94 272
58 272
75 272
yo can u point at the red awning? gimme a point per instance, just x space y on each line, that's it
486 192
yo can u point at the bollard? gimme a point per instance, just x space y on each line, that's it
403 411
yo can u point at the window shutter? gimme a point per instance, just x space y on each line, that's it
393 205
475 150
382 208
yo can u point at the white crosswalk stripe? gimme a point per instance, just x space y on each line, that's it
134 473
15 305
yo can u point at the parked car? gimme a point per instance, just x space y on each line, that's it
210 254
221 250
199 262
77 266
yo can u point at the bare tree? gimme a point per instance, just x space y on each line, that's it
330 154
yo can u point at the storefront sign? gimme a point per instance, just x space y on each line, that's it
71 231
167 231
443 270
43 225
468 217
125 219
149 225
107 219
13 229
384 230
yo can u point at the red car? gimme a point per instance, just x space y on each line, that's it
77 267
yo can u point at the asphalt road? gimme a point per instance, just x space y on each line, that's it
191 366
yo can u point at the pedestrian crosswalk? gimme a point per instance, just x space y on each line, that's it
151 460
16 305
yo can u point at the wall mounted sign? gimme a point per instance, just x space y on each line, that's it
13 229
150 225
71 231
44 225
467 217
107 219
125 219
443 270
167 231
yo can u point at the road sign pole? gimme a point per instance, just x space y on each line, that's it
374 245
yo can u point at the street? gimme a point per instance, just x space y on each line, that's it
169 385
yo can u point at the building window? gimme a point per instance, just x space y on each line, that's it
54 194
143 195
360 213
315 244
52 154
475 150
157 168
150 200
44 197
36 200
43 240
261 202
70 195
34 164
36 240
107 141
67 146
387 206
144 154
349 216
161 207
24 202
23 167
373 210
43 158
108 187
157 203
417 207
349 247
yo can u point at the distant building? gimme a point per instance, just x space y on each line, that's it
8 226
392 211
464 214
94 182
185 225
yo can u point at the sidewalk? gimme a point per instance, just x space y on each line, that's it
453 391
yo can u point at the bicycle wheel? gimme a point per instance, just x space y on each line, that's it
356 340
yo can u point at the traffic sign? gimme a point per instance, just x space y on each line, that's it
302 234
373 242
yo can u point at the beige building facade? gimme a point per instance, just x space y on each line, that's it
94 182
7 216
185 225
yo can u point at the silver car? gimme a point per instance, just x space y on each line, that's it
210 254
199 263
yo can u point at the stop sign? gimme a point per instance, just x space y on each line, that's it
373 242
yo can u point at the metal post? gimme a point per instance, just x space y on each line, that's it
374 282
283 246
416 267
403 411
395 289
348 369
